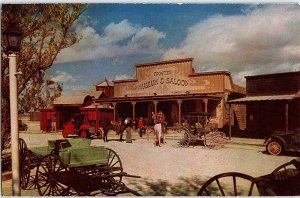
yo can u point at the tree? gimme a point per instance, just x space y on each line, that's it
44 97
47 28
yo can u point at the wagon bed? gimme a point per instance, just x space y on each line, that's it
72 166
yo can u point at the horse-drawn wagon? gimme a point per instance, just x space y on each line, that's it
199 126
72 167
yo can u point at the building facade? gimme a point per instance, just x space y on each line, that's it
174 88
272 103
80 107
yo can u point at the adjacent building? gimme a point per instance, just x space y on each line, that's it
272 103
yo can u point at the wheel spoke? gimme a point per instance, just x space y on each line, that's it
251 189
220 187
234 185
114 164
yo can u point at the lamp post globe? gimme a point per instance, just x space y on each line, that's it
12 37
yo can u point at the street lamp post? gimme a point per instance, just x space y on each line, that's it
12 39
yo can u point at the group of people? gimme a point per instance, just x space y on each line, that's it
157 120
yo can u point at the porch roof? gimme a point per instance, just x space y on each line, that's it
264 98
214 96
76 98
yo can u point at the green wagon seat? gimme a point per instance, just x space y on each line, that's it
85 156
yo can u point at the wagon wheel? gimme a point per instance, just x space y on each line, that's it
292 164
115 163
285 179
233 184
220 138
51 177
186 138
210 140
24 164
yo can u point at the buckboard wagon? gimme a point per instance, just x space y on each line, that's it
72 167
199 126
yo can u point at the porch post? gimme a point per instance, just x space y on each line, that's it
286 117
205 109
133 110
179 111
114 105
155 102
205 105
229 121
97 117
57 120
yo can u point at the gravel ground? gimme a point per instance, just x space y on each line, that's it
170 170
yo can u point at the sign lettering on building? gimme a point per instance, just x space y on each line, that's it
163 80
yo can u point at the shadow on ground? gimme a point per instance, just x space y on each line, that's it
184 187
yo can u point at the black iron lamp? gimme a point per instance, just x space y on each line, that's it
12 37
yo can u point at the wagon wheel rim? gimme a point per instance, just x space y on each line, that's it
185 140
115 163
51 177
215 186
286 166
24 164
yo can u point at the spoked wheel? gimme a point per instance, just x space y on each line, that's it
186 138
24 164
289 165
220 138
51 177
114 162
274 147
285 179
210 141
231 184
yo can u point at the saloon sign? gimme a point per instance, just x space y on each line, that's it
162 78
165 80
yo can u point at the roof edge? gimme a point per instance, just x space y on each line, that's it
164 62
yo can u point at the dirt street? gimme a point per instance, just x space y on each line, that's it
171 170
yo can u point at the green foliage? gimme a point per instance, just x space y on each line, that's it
47 30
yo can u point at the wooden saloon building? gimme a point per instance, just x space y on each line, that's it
174 88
